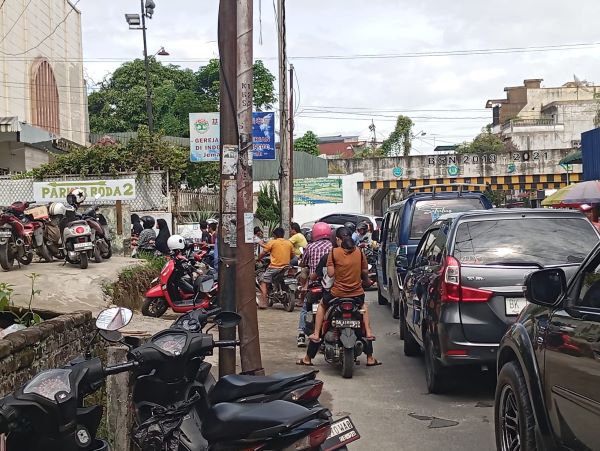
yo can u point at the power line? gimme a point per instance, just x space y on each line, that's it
3 2
15 22
45 38
385 110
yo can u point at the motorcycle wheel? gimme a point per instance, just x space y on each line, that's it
7 260
348 363
154 307
97 254
108 254
26 259
83 260
290 301
45 253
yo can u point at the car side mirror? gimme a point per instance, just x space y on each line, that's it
401 261
546 287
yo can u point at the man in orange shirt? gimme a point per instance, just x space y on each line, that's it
281 251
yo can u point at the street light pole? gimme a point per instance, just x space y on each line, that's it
147 72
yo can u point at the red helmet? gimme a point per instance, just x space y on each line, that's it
320 230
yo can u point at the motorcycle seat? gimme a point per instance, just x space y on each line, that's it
235 386
227 422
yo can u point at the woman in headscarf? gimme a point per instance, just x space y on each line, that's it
163 235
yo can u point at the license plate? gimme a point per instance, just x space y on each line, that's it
515 305
342 432
5 233
315 307
79 246
352 323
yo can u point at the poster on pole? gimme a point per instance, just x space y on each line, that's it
263 135
204 137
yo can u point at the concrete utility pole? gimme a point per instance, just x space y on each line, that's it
284 169
246 292
228 197
291 143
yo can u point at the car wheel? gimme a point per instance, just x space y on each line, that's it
435 374
396 309
411 347
380 299
513 414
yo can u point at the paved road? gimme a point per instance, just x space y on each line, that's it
390 404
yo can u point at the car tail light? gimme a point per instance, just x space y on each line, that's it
457 352
313 440
79 229
315 290
307 393
348 306
453 291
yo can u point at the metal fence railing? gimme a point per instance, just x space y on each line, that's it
151 189
188 201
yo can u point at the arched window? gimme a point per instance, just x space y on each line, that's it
45 111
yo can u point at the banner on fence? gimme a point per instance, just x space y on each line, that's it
205 133
318 191
109 189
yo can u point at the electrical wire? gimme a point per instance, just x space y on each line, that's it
3 2
15 22
45 38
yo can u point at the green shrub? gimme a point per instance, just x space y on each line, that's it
133 282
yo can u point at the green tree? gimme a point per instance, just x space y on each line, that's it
139 155
308 143
120 103
400 140
268 208
485 143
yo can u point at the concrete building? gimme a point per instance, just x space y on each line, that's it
43 95
538 118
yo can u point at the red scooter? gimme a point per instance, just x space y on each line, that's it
176 287
20 236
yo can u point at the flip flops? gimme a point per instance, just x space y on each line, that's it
301 362
375 363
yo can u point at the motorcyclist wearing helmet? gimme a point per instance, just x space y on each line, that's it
319 246
147 237
362 237
350 225
176 243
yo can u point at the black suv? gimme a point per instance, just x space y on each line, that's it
548 389
464 287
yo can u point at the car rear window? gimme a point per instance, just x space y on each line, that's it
427 211
543 242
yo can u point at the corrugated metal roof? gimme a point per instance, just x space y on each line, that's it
10 124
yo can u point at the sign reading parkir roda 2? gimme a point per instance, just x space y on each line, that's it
109 190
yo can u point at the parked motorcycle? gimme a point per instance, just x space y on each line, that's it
282 290
53 227
179 287
47 412
101 238
343 333
21 236
78 238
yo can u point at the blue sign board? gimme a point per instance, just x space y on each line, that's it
263 135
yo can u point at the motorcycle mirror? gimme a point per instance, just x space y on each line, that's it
206 284
227 319
112 336
113 318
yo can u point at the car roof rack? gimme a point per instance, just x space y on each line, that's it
408 191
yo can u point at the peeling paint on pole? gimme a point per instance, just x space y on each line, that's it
229 229
230 159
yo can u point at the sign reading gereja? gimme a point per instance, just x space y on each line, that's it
263 135
204 137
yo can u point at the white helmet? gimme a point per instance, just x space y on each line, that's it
57 208
78 194
176 242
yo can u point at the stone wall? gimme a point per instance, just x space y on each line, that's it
50 344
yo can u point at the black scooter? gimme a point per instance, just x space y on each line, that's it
48 413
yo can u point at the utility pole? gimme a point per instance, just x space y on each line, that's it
147 71
246 293
374 139
284 169
228 198
291 143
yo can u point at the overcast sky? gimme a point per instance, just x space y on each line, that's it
445 95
